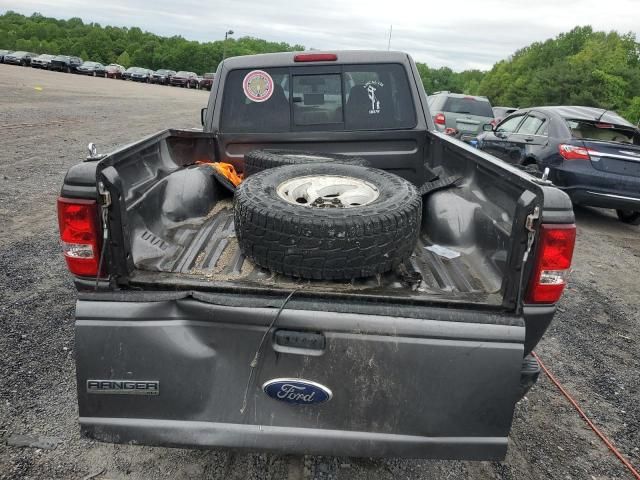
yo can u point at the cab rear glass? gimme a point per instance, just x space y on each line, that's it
344 97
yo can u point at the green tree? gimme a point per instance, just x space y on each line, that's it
632 111
124 59
580 67
127 46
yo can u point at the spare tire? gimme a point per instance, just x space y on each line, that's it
327 221
258 160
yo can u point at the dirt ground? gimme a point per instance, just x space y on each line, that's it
46 121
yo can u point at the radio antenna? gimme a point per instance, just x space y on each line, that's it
601 115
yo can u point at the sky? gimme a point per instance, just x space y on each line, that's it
461 34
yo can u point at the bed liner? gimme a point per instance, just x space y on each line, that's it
207 250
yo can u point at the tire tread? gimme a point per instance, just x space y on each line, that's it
322 244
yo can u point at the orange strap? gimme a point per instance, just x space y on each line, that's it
227 170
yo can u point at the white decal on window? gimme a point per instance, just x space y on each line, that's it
371 88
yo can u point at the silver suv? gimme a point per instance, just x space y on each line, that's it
460 115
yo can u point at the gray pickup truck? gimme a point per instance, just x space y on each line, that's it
181 340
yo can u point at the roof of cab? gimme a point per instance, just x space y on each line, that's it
285 59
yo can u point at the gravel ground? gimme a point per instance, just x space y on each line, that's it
46 121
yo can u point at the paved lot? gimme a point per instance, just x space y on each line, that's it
46 121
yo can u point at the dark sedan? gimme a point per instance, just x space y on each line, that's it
162 76
65 63
42 61
19 58
592 154
95 69
207 81
184 79
3 53
137 74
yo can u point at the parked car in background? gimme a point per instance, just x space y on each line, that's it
42 61
459 114
113 70
183 79
137 74
65 63
207 81
162 76
499 113
592 154
3 53
19 58
126 75
95 69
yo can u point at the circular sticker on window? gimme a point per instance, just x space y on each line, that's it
258 86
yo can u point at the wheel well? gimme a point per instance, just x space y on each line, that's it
529 161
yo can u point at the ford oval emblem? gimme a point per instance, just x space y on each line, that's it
297 391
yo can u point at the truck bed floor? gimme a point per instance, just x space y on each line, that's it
208 251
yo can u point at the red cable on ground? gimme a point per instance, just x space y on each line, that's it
606 441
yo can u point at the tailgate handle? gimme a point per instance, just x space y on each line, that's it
301 343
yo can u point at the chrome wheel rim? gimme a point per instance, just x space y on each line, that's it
328 191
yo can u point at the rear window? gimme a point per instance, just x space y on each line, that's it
317 99
358 97
600 131
468 105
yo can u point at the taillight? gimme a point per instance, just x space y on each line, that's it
315 57
79 235
440 119
553 260
571 152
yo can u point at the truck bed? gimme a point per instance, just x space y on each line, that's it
173 228
207 251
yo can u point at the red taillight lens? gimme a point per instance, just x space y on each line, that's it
315 57
78 222
440 119
553 260
571 152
